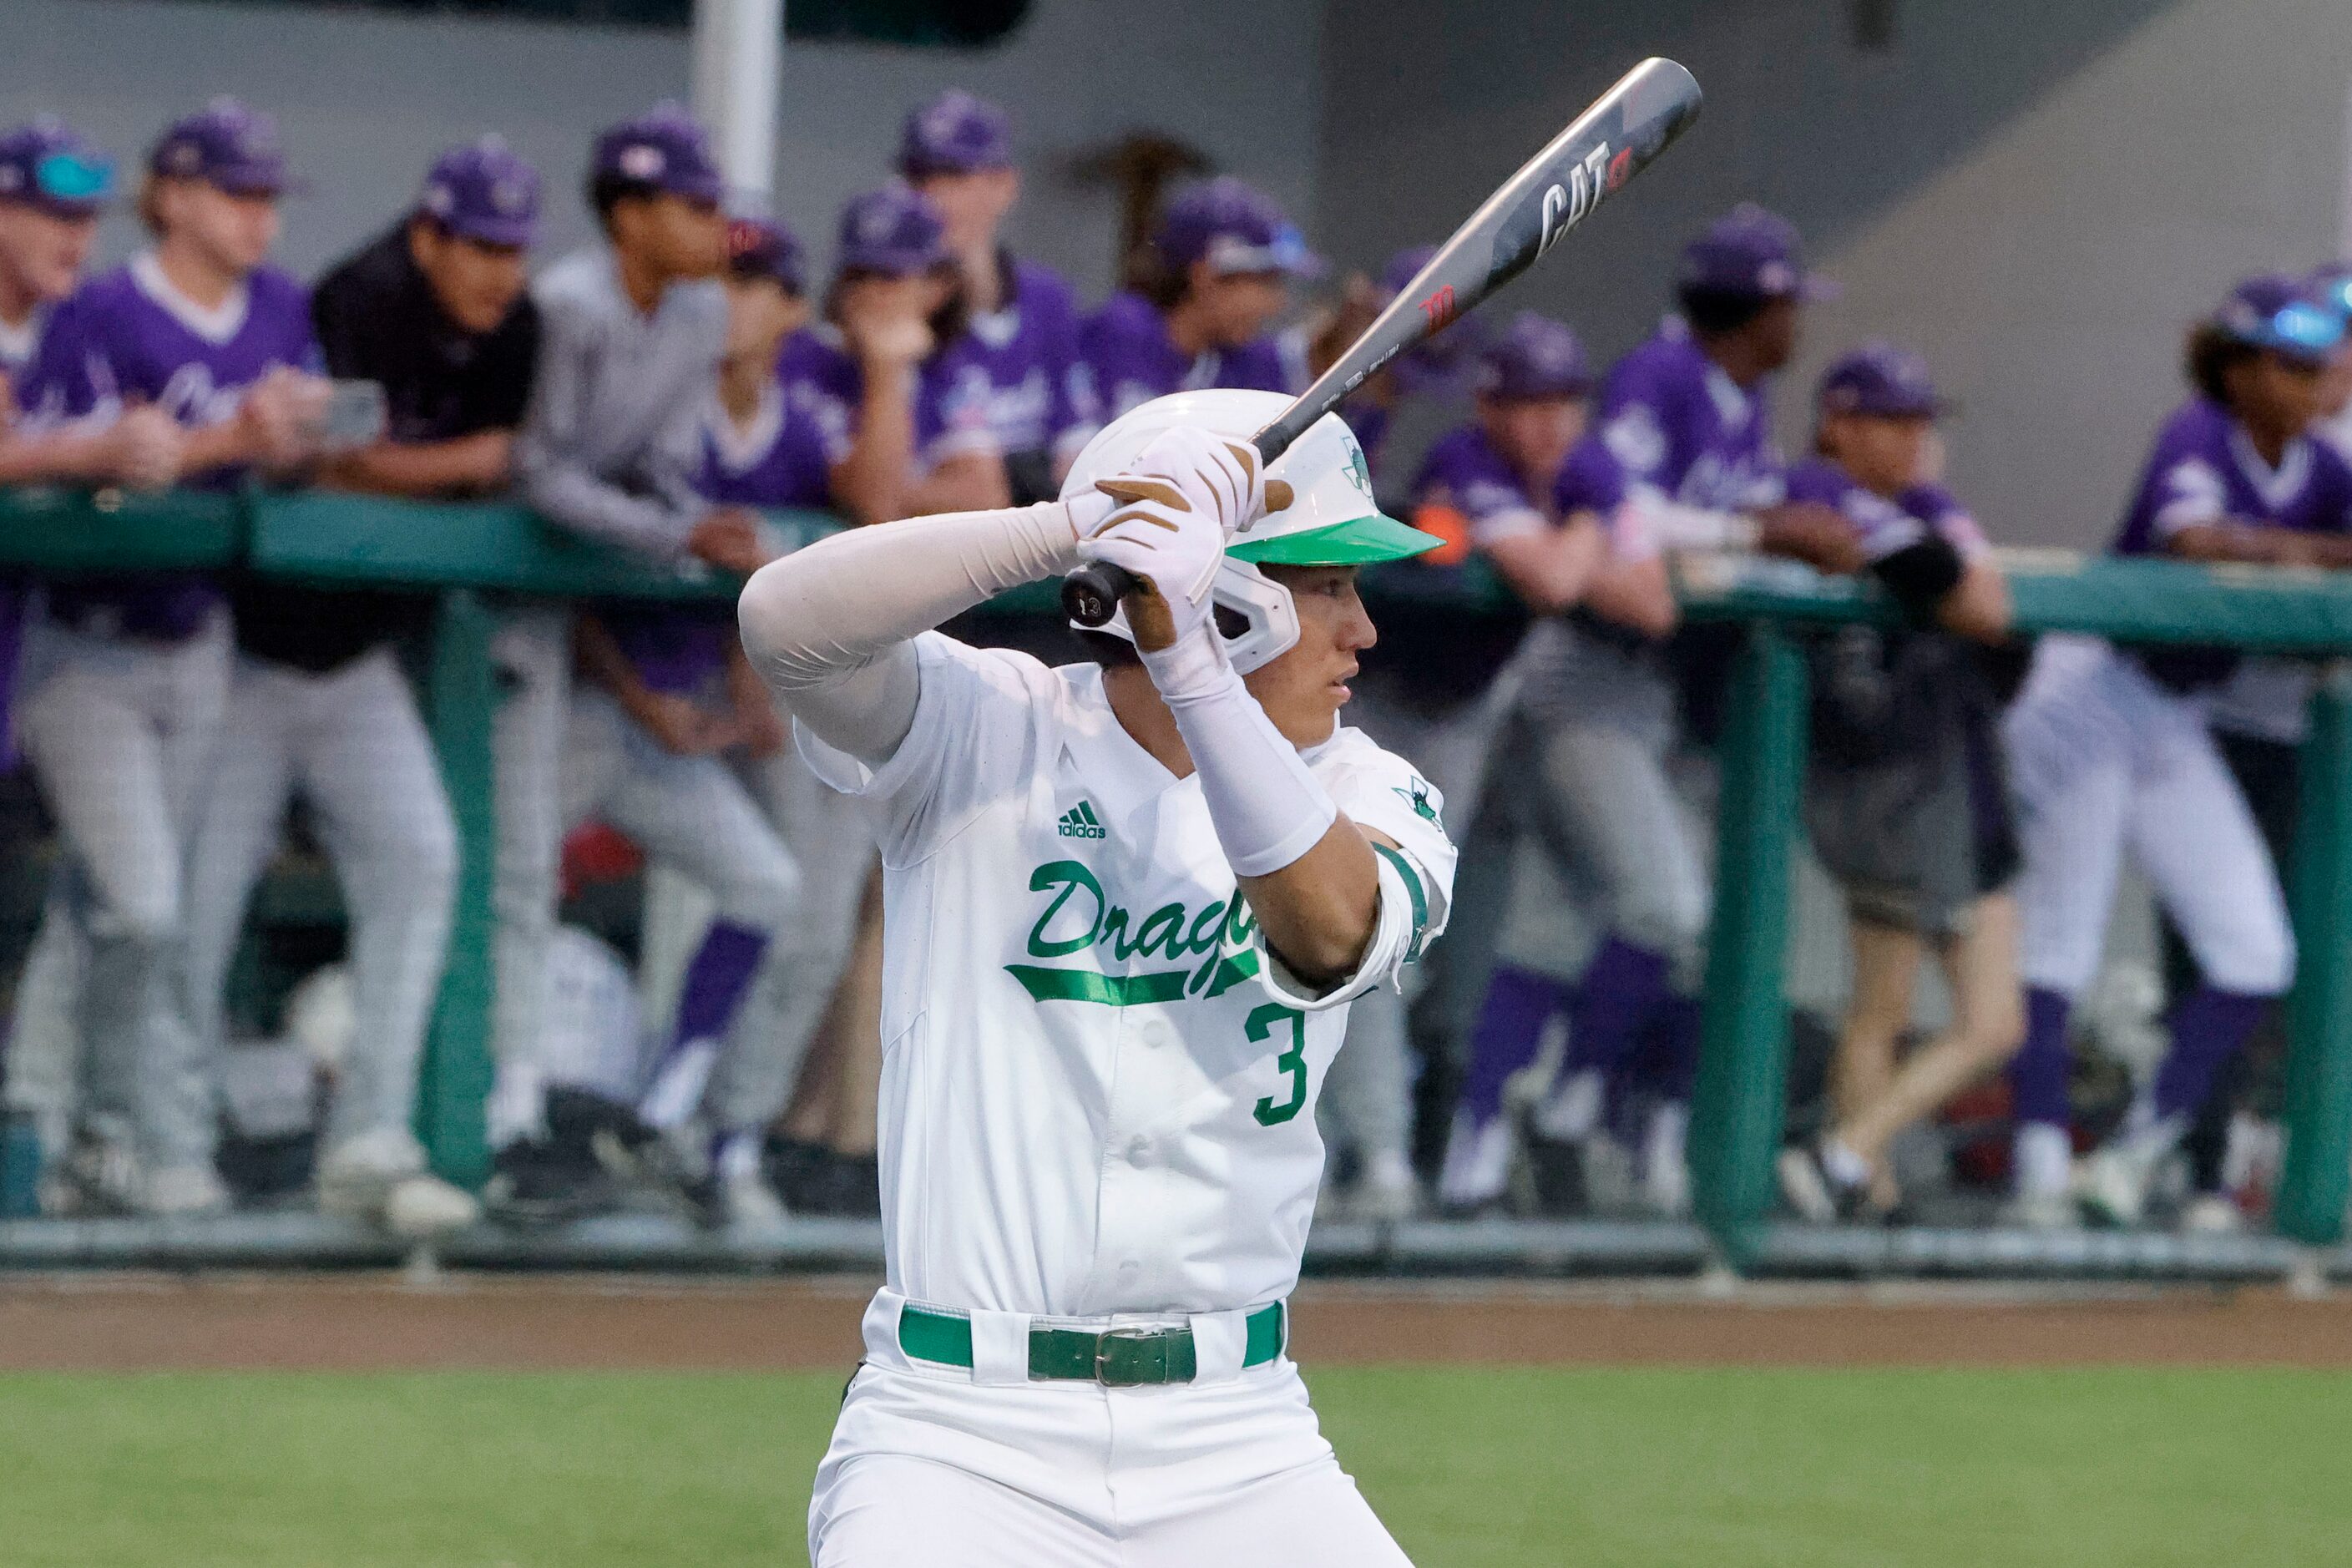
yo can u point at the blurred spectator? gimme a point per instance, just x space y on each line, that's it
2111 746
1682 458
678 674
891 367
1022 320
1485 485
435 311
53 186
771 443
631 332
126 677
1226 255
318 709
1906 798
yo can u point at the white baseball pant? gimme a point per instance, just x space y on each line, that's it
932 1465
120 734
690 812
2103 756
350 744
825 834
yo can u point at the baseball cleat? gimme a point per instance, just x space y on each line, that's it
1386 1193
1807 1185
422 1207
184 1192
2039 1211
2212 1214
2111 1186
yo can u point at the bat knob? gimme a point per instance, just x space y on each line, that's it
1090 595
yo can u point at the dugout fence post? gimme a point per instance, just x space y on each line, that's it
453 1081
1739 1105
2317 1171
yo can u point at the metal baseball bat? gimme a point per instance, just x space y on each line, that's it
1554 190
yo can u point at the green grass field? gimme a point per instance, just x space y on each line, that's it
1486 1468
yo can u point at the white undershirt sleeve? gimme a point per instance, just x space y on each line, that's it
829 628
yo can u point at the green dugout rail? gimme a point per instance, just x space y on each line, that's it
481 557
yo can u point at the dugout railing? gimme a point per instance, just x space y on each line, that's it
481 557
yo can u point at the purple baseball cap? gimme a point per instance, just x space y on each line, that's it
1751 251
1881 381
485 192
1235 229
761 248
46 164
955 134
2288 316
664 147
229 145
1534 357
894 231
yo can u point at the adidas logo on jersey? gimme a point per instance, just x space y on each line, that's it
1079 822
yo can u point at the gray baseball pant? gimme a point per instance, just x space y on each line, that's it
120 734
350 743
827 836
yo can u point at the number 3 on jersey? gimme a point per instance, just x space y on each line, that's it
1291 1062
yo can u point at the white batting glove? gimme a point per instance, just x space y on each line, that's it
1188 492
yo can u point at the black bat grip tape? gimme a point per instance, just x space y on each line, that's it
1090 595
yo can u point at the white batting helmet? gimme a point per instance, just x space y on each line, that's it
1331 521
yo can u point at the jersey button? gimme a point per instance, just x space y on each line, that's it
1157 1035
1138 1152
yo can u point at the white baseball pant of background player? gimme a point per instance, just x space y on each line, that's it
120 734
827 838
350 743
2102 756
532 653
1367 1100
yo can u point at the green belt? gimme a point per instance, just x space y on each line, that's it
1116 1358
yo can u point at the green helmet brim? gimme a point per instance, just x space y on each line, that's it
1359 542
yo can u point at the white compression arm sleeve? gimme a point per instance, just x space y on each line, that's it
830 628
1267 807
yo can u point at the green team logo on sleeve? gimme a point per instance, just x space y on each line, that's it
1080 923
1417 797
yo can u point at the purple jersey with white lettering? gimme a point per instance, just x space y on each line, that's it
19 345
1677 424
783 458
129 335
1024 358
2202 470
951 410
1887 524
1129 360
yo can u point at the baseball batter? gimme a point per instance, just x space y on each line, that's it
1127 907
2110 746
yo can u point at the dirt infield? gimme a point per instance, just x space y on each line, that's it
384 1322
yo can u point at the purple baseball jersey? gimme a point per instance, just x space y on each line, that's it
1888 524
2203 469
1130 361
129 334
1677 424
1024 358
953 411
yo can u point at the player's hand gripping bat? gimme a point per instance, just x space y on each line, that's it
1553 192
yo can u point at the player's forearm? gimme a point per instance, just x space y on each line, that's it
71 454
1319 912
1634 594
425 468
1549 571
1979 605
871 483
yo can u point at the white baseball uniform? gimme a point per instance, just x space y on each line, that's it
1096 1110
